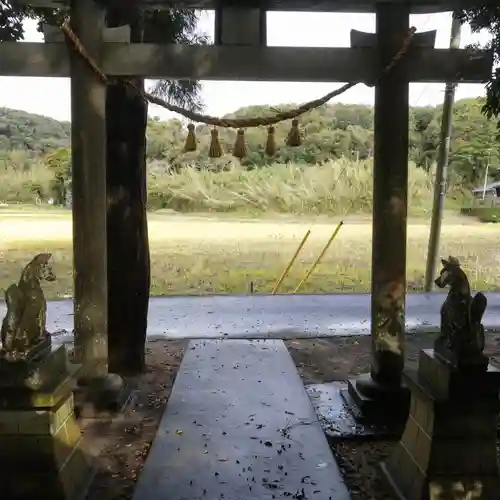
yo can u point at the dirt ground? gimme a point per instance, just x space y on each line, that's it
124 443
328 359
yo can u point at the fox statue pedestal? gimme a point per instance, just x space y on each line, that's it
450 440
449 446
41 449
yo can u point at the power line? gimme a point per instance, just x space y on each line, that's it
426 86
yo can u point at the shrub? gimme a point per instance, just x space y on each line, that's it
335 187
487 214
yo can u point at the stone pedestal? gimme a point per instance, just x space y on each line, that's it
448 448
103 397
41 448
385 408
378 401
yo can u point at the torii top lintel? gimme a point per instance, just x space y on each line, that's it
416 6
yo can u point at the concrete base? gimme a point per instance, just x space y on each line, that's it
370 402
103 398
337 418
448 448
42 452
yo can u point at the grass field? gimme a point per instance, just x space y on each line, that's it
201 255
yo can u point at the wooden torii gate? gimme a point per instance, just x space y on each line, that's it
240 53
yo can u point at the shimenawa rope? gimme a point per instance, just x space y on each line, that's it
238 123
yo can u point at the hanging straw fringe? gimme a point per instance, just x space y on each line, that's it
215 150
293 139
239 149
271 142
190 139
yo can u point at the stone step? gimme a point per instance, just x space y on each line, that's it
239 425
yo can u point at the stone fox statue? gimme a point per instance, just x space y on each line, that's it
24 324
461 329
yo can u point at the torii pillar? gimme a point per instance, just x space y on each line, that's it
88 142
380 393
98 391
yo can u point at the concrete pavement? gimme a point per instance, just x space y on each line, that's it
267 316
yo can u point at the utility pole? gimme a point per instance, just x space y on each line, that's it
486 174
442 166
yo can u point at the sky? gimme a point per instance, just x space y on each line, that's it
51 96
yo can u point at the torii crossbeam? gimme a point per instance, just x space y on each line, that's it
226 62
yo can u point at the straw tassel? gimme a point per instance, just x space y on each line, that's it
215 150
271 142
239 149
293 138
190 139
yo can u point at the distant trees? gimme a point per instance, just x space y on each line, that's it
331 131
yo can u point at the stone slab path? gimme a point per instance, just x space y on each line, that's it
239 425
268 316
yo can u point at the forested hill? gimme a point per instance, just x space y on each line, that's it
34 134
331 131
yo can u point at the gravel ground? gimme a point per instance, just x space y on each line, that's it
359 464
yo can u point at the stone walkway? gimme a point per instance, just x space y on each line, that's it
267 316
239 425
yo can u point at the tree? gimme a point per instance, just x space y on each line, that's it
59 163
127 230
11 23
128 245
487 18
424 136
175 26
